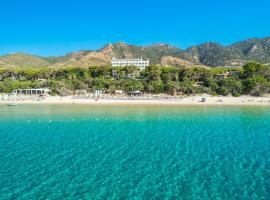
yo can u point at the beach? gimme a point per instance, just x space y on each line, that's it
169 100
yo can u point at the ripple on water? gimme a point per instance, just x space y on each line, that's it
151 153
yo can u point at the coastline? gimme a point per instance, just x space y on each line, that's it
192 100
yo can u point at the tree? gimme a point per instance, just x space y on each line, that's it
131 85
232 86
131 71
252 79
8 85
100 71
171 87
256 86
194 74
212 84
251 69
152 73
169 74
187 87
155 87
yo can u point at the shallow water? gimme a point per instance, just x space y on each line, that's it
134 152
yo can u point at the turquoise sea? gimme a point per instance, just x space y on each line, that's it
134 152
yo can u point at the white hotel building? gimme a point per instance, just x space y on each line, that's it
138 62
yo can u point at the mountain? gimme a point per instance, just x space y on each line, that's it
214 55
154 52
22 60
81 59
255 49
178 62
104 55
208 54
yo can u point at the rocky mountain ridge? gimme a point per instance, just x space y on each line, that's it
209 54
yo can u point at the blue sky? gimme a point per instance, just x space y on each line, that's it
55 27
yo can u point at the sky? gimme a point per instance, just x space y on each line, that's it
56 27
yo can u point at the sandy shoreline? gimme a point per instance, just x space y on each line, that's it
196 100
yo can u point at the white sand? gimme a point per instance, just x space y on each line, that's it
196 100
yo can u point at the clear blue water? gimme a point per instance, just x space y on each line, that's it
134 152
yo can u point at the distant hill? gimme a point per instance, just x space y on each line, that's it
154 52
214 55
81 59
255 49
104 55
22 60
208 54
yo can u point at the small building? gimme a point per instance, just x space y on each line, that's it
98 93
42 79
234 72
222 75
198 84
135 93
226 74
115 74
14 77
34 91
138 62
119 92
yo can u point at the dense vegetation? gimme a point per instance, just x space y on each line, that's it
252 79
